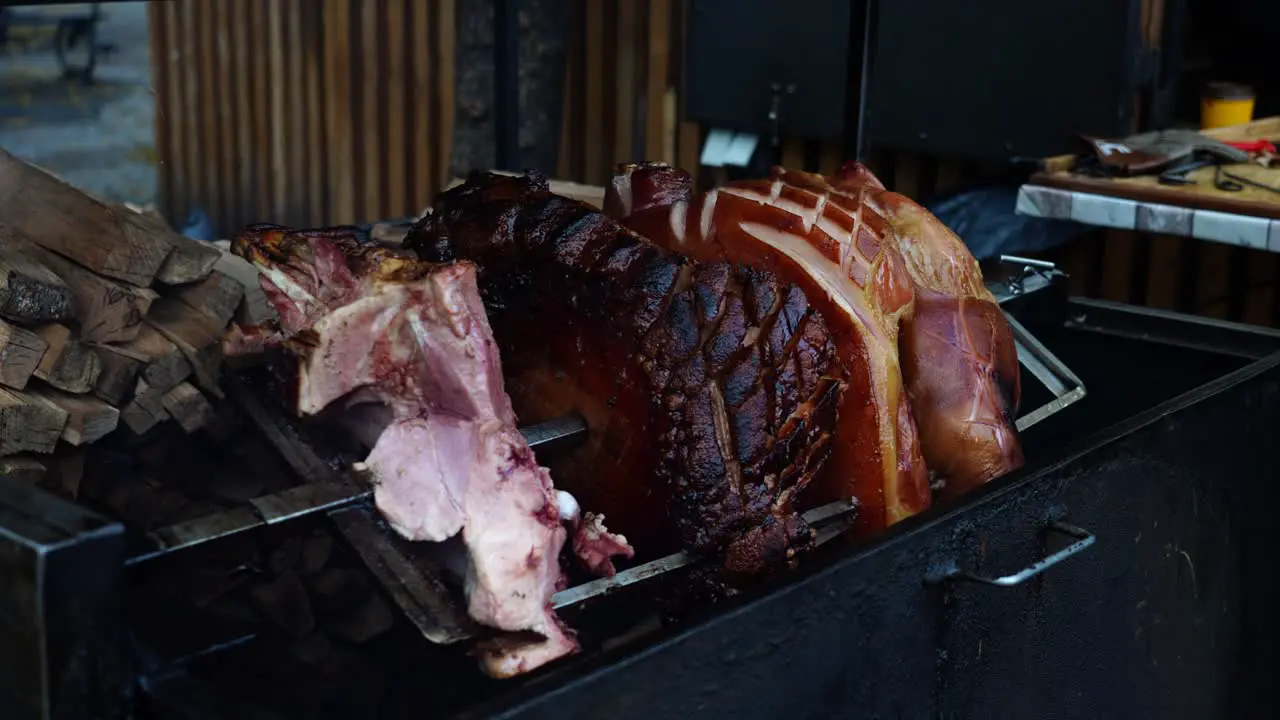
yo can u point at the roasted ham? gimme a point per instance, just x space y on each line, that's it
926 352
709 389
737 355
958 354
839 251
370 327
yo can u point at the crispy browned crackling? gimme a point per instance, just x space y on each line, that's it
839 250
956 351
706 387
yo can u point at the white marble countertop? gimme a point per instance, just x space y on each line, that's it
1114 212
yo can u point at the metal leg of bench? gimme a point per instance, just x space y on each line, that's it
62 649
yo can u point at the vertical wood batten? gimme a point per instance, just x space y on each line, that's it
445 72
224 135
1117 268
318 165
395 141
292 132
422 116
161 83
594 100
1259 286
1213 280
241 161
368 56
266 111
569 146
200 15
1162 268
278 87
658 56
187 100
262 69
340 179
624 83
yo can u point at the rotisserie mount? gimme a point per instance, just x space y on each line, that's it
738 356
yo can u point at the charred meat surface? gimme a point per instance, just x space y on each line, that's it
838 252
930 361
709 388
371 327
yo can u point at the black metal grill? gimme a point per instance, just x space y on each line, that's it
1157 480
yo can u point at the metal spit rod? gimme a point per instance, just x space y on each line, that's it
1066 387
830 520
340 497
307 500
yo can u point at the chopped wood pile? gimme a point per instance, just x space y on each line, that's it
109 320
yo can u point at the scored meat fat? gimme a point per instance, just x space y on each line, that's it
958 354
833 247
932 365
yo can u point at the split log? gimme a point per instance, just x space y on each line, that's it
29 291
68 364
107 311
197 336
23 468
188 407
119 373
89 419
188 261
217 296
255 309
163 364
20 354
28 424
43 209
145 410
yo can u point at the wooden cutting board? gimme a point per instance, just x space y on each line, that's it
1202 195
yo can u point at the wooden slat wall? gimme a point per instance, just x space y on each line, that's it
301 111
314 112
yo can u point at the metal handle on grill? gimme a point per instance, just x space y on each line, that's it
1083 539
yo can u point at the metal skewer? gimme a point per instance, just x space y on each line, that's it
830 521
336 497
307 500
418 590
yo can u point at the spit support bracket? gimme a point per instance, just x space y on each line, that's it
417 584
1028 275
1031 275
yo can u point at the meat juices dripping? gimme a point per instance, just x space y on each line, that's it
905 298
367 325
707 388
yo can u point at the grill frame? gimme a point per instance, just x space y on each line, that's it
878 632
868 630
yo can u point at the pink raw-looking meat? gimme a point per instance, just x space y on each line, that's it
370 326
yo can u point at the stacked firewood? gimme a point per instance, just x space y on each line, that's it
109 320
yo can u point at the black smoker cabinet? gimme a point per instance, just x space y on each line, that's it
981 79
1164 473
